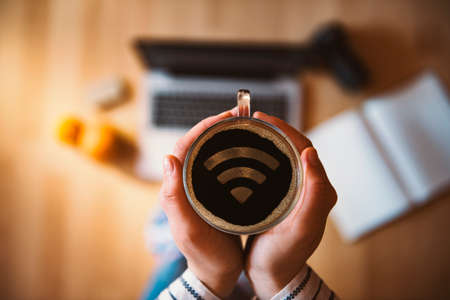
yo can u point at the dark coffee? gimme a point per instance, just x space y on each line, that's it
242 175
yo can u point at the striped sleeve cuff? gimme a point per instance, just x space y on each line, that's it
306 285
187 287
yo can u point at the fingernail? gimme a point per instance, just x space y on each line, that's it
259 113
167 166
234 111
312 157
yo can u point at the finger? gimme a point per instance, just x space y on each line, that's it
299 140
318 195
172 196
183 144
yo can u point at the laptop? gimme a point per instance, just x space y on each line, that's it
185 82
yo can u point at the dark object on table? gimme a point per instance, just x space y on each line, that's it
328 48
331 47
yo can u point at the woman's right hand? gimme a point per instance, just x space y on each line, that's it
216 258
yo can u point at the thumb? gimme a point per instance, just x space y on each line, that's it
318 194
172 196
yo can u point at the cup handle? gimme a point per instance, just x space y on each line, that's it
243 103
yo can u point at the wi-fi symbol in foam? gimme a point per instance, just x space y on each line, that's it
241 193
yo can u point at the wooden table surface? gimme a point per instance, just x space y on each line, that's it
74 229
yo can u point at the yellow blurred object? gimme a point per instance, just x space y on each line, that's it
98 141
70 130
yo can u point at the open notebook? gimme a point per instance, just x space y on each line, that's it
387 157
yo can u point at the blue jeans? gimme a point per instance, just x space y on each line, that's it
164 276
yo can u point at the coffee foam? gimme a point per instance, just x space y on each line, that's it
281 141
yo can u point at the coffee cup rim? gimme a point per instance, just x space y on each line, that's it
281 217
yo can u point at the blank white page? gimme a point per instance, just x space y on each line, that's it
368 194
413 126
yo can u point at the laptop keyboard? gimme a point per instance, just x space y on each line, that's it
184 109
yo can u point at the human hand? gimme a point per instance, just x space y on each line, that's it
274 257
216 258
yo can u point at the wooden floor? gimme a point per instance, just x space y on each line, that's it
71 228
